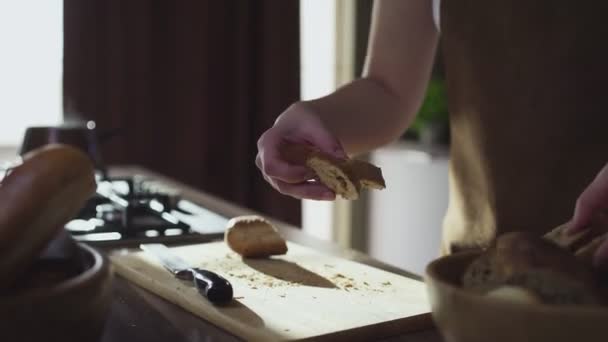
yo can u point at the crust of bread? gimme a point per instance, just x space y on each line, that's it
37 198
346 177
481 275
252 236
335 176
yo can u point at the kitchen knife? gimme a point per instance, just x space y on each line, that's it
211 285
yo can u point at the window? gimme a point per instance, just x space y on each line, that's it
31 52
327 57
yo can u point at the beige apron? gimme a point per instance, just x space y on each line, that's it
528 98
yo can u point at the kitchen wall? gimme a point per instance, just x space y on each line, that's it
191 84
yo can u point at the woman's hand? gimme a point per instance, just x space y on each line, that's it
298 124
366 113
592 201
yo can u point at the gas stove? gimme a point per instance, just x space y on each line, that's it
133 210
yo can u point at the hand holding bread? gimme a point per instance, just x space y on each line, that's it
298 123
344 176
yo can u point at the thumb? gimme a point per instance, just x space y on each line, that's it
321 138
583 213
593 198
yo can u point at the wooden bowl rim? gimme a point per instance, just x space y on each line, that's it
84 279
432 275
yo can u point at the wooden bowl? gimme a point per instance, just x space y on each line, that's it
462 316
65 308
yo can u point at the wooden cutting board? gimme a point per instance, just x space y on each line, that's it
301 295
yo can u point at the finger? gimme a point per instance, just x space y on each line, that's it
601 256
274 167
315 133
258 162
306 190
582 216
271 164
313 191
326 143
593 198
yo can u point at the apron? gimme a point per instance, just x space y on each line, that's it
527 85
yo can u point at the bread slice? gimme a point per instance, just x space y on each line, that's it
525 260
253 236
346 177
335 176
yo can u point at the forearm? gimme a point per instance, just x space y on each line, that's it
364 114
379 107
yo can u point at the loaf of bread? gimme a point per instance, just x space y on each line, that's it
346 177
252 236
530 262
37 198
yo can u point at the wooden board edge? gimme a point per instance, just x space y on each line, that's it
231 327
379 330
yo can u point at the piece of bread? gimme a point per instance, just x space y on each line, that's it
252 236
37 198
346 177
531 262
573 242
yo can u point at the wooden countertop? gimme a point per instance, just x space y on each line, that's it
137 315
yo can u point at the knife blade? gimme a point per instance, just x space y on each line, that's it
212 286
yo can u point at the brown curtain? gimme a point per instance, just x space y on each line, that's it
190 83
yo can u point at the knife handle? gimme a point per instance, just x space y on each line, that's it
213 286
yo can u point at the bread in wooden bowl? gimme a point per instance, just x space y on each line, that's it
37 198
346 177
253 236
462 315
54 304
521 259
42 298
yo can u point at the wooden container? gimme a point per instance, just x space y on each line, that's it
73 309
462 316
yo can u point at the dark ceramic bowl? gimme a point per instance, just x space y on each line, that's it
58 304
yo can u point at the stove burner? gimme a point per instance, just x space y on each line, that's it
131 210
